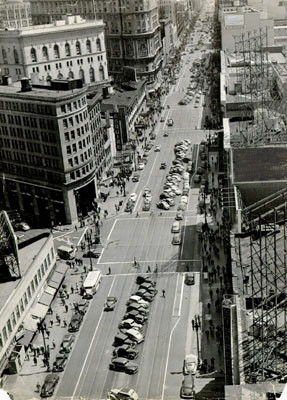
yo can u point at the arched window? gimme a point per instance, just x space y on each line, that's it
45 53
67 50
78 48
16 57
60 75
4 55
33 55
102 73
92 74
56 51
71 75
82 75
88 46
99 45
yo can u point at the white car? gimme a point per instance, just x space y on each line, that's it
135 335
157 148
130 324
133 197
184 199
137 299
140 166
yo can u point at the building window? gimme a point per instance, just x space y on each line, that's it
67 50
56 51
45 53
16 57
33 55
82 75
101 73
92 74
78 48
99 45
88 46
4 55
13 318
9 326
71 75
4 333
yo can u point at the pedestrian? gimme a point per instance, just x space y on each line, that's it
186 268
35 360
163 293
38 387
207 334
77 287
72 289
208 306
48 333
148 269
193 324
66 308
51 323
48 351
109 271
42 349
64 323
211 293
53 344
58 319
38 351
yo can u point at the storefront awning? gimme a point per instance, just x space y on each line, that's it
39 310
30 323
26 339
56 280
46 299
62 268
50 290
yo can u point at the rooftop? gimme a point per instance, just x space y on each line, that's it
123 95
27 255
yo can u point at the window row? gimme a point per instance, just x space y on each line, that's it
80 131
5 58
26 107
83 171
15 316
73 106
47 55
77 146
79 159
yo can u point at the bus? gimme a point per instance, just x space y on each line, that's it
92 283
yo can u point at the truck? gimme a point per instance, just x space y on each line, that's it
92 283
66 252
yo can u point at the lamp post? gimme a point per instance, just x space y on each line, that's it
89 240
41 327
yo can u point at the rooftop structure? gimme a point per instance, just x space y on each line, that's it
15 14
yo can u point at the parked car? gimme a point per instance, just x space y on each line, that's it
146 206
110 303
137 299
144 279
189 278
138 307
175 227
133 197
196 178
163 205
22 226
165 134
135 335
162 165
49 385
187 388
67 343
126 351
75 322
136 316
59 363
140 166
82 306
136 177
145 294
176 239
157 148
170 122
149 287
93 253
123 365
190 364
124 393
130 323
122 339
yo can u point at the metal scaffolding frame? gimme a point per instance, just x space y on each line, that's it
8 250
262 101
265 350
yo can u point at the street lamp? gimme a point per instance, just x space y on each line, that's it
89 240
41 327
197 326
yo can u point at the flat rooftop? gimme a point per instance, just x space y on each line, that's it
27 254
260 164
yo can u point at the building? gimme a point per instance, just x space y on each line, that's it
28 286
132 30
53 150
70 48
15 14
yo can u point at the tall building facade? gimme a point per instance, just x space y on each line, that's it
53 151
66 49
15 14
132 30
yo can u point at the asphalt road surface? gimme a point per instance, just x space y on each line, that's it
168 335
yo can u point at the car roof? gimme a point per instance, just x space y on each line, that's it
121 360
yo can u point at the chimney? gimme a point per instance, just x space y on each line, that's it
25 85
106 92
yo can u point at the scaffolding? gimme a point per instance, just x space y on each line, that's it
262 107
265 277
9 261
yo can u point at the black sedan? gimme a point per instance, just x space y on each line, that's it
75 323
145 295
49 385
137 307
59 363
144 279
92 254
136 316
123 365
126 351
110 303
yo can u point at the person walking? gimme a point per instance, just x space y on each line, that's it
163 293
53 344
109 271
35 360
193 324
66 308
58 319
51 323
64 323
38 387
148 269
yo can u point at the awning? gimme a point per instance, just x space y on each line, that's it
62 268
30 323
39 311
50 290
46 299
56 280
26 339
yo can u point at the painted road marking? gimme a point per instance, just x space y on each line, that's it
146 261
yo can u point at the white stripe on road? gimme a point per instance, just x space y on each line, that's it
88 352
145 261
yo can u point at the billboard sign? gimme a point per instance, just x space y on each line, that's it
234 20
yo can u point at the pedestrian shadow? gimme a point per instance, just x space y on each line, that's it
34 373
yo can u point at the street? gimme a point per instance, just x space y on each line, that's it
146 238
